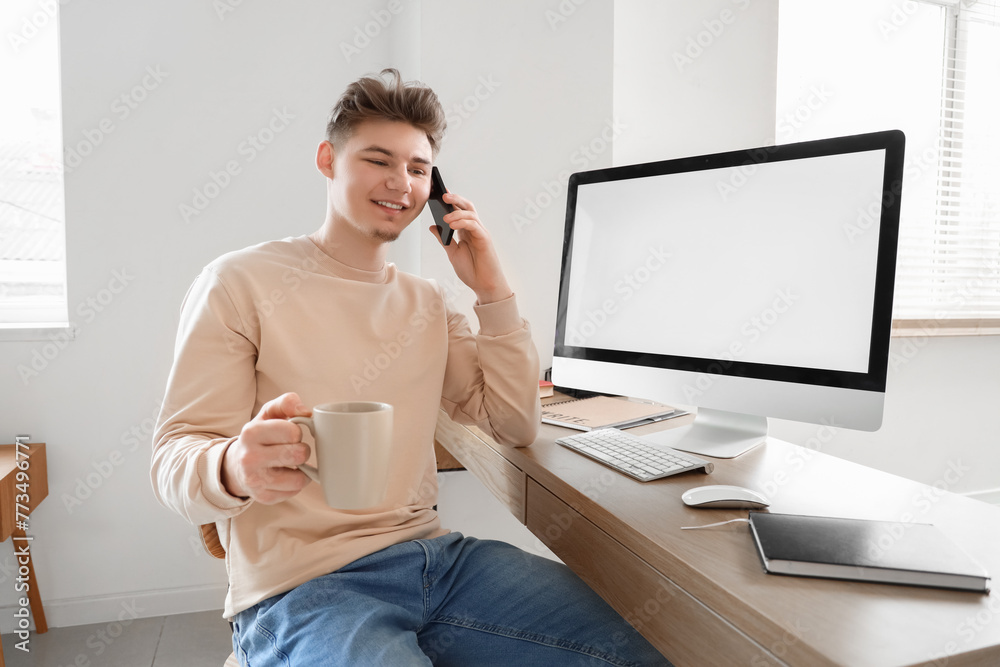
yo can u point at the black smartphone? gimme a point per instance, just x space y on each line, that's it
438 207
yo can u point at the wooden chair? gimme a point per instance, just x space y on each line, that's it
32 487
213 545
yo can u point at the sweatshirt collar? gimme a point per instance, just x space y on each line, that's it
342 270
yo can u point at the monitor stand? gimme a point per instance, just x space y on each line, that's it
717 433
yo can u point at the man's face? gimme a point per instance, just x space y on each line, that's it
381 178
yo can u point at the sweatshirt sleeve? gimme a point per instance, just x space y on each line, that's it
491 379
210 396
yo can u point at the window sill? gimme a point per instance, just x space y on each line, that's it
956 327
20 332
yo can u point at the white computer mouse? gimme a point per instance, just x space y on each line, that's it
721 495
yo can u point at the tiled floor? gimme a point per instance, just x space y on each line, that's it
187 640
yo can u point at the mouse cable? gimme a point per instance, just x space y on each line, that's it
719 523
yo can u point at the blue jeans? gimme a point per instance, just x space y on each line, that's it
452 600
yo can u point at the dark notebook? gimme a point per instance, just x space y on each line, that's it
916 554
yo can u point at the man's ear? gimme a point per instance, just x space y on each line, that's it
324 158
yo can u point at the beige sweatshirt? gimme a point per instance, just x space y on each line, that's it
284 316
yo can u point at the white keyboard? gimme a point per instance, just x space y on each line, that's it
632 455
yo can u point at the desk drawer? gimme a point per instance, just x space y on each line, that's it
504 479
682 628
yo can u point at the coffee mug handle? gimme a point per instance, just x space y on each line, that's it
310 471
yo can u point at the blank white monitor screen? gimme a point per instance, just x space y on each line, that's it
771 273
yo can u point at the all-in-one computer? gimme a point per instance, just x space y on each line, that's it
748 284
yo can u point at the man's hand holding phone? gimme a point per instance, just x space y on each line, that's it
472 253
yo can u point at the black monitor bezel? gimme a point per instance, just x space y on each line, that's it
892 141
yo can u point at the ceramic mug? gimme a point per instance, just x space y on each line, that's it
353 440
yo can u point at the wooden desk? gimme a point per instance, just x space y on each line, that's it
702 596
12 491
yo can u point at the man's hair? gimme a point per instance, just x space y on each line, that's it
375 98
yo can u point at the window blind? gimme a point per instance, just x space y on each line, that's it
32 201
948 270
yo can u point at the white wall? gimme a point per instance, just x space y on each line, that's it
694 77
530 89
941 425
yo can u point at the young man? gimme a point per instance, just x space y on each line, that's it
270 330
